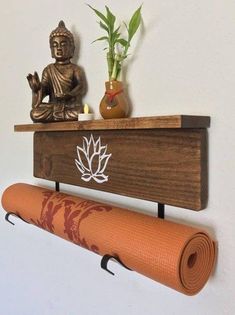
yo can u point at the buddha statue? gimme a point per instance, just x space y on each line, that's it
62 81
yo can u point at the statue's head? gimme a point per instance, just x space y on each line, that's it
62 43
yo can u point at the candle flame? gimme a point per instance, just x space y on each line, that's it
86 109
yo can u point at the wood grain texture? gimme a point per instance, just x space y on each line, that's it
168 166
175 121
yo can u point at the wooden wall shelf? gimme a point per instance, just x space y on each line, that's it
162 159
175 121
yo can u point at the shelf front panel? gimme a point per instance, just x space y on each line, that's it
168 166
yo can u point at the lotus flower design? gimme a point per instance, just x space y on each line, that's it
92 160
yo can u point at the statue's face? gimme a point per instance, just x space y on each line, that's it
61 48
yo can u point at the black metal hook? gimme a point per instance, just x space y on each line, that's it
57 186
161 210
104 263
16 215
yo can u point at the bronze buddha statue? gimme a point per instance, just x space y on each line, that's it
62 81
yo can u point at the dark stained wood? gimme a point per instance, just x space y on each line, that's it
168 166
175 121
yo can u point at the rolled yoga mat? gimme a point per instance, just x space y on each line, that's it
176 255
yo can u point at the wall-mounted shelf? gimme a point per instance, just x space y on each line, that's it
175 121
162 159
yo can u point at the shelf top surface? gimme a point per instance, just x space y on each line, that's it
152 122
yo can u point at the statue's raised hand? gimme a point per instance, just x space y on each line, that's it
35 85
34 82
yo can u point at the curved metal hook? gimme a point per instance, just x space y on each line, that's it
104 263
161 210
16 215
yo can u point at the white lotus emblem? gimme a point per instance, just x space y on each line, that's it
92 160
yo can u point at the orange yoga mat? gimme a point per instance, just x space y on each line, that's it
176 255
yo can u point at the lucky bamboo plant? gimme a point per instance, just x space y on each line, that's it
117 49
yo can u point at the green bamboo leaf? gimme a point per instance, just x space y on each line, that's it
111 18
134 23
117 29
101 38
116 38
116 34
103 26
99 14
122 41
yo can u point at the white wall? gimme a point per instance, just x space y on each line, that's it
184 64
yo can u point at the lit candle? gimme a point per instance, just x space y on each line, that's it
86 115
